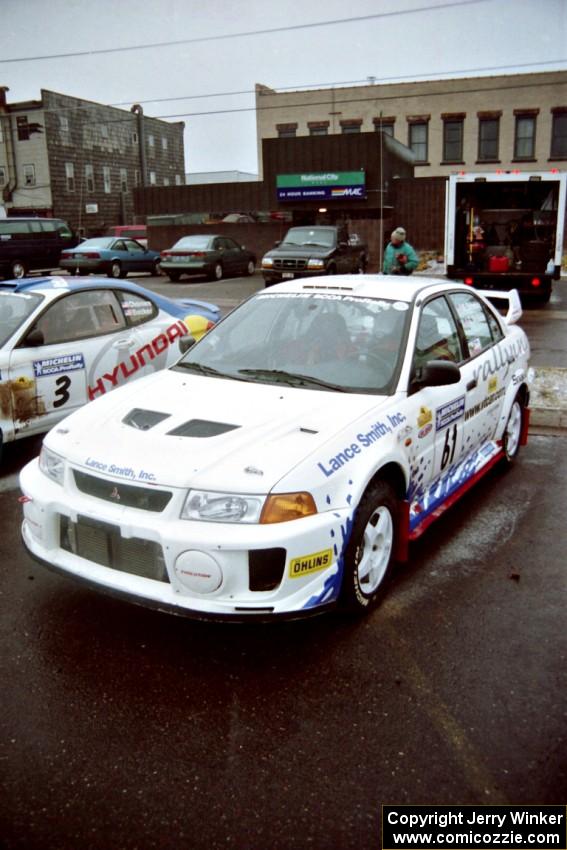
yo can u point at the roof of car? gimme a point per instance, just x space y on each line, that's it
391 287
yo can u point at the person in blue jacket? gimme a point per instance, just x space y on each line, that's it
399 256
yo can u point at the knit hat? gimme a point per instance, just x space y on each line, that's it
399 232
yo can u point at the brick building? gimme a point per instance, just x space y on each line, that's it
78 160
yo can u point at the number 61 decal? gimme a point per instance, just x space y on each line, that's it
449 446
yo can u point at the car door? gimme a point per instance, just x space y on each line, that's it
138 257
119 251
236 256
50 366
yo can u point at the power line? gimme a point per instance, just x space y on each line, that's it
228 36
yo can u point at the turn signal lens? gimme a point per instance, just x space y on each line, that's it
287 506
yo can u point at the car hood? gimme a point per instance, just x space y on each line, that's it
301 251
176 430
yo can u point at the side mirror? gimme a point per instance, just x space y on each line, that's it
278 242
186 342
436 373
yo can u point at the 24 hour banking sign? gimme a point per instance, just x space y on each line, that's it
321 186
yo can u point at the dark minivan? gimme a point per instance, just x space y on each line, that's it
31 244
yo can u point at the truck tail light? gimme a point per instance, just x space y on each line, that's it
469 281
536 281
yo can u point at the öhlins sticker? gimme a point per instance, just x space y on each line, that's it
310 563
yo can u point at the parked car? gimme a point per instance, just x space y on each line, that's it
65 341
315 250
214 255
288 458
32 244
113 256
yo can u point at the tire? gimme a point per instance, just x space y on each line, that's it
332 270
115 270
216 272
511 439
370 551
173 276
250 268
18 269
156 269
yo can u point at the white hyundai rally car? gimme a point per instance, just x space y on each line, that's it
286 460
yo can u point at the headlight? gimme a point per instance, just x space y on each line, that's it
51 465
267 263
315 264
221 507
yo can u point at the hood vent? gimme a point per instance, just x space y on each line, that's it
143 420
202 428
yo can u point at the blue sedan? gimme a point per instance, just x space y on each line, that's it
112 256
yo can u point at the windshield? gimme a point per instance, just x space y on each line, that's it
310 236
15 308
194 242
315 341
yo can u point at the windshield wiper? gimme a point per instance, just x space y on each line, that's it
316 244
205 370
293 378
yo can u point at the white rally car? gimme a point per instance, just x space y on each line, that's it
64 341
288 458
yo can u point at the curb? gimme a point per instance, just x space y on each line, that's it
548 400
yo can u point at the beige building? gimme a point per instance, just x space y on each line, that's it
473 124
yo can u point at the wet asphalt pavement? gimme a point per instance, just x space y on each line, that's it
125 728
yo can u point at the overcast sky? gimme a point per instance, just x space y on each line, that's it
405 39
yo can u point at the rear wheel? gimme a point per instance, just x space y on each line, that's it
511 439
156 269
250 268
173 276
332 270
18 269
217 272
370 552
115 271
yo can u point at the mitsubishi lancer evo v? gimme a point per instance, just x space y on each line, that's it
287 459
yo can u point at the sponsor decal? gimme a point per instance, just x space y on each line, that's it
306 564
363 440
55 365
425 417
449 413
486 402
425 431
492 385
120 471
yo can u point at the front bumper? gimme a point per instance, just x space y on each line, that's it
199 569
278 275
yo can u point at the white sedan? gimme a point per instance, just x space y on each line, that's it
286 461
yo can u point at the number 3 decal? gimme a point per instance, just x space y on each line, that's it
62 393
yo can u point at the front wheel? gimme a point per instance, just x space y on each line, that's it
512 438
173 276
370 552
250 268
18 269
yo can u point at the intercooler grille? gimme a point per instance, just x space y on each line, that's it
102 543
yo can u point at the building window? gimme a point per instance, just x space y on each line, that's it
123 180
23 128
488 137
386 125
29 175
70 176
418 139
286 131
318 128
178 179
559 134
3 176
89 178
106 179
163 143
453 138
104 131
137 177
351 126
152 178
134 138
151 145
64 129
1 132
524 136
166 181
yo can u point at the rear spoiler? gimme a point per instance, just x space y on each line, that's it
512 298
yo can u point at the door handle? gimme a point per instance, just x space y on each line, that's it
472 384
121 344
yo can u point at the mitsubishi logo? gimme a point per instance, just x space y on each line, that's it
115 494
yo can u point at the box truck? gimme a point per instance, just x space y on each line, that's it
504 230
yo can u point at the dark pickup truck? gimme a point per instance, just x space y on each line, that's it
314 250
